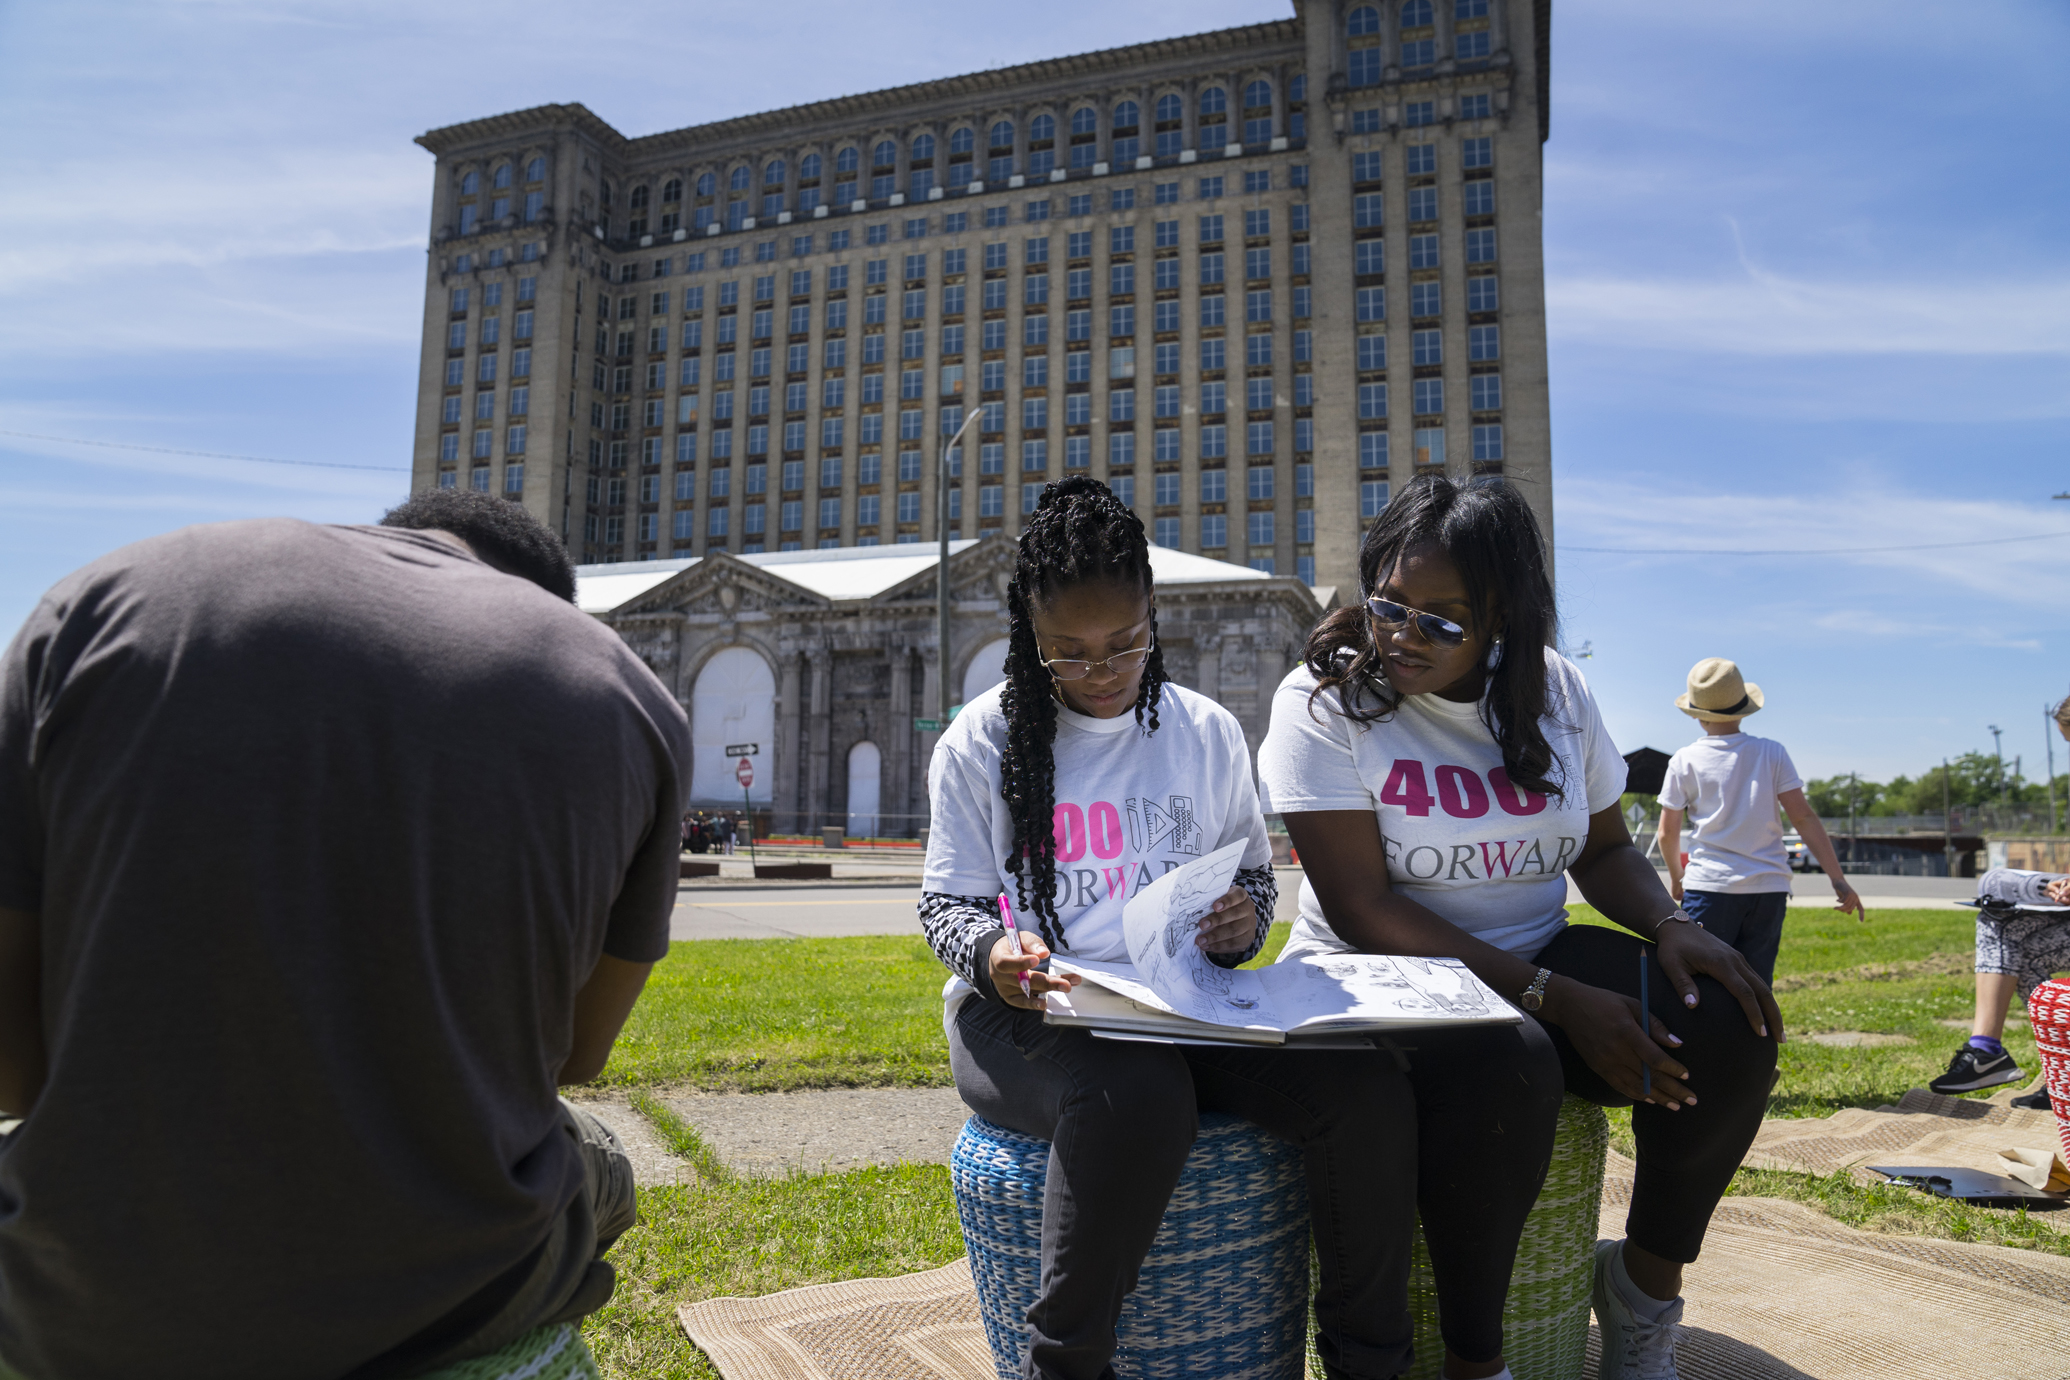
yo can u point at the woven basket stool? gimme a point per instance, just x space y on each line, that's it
2048 1016
1545 1321
547 1353
1223 1294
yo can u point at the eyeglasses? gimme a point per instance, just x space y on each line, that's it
1439 632
1120 664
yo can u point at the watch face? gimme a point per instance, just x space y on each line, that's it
1531 1001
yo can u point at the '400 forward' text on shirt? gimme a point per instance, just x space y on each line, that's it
1459 835
1131 805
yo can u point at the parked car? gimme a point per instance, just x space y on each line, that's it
1800 856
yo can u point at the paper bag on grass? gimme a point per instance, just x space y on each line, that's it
2039 1169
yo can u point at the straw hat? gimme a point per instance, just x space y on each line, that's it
1716 691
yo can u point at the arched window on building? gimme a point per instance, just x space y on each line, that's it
847 161
1042 128
706 184
1363 63
535 171
923 147
1085 120
470 182
808 167
740 178
1128 144
638 200
1419 51
962 141
1415 13
1214 118
1002 135
885 155
672 190
502 178
987 668
1362 21
772 173
865 790
1170 108
734 701
1085 137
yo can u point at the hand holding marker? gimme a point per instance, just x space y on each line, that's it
1006 915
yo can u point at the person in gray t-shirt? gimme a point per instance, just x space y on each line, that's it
326 854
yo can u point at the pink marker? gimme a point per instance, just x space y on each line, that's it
1006 915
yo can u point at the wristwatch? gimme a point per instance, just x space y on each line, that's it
1534 995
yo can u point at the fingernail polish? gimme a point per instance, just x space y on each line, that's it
1689 1000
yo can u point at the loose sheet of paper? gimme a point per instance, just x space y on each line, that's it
1160 924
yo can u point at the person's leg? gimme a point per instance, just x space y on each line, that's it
1686 1157
607 1175
2004 950
1354 1117
1120 1119
1750 922
1487 1108
1994 1001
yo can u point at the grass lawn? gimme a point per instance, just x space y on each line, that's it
764 1015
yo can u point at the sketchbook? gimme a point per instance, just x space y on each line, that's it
1172 990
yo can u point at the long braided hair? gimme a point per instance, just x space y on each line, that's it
1080 534
1488 532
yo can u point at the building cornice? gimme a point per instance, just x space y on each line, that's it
1252 42
538 119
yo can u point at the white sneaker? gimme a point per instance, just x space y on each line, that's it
1632 1350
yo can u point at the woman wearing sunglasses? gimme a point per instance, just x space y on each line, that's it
1081 779
1442 773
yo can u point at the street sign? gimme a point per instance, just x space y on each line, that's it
743 749
927 725
746 772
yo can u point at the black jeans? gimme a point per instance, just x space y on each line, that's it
1686 1158
1121 1117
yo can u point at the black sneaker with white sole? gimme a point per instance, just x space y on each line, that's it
2036 1101
1971 1069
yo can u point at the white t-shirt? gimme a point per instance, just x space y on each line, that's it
1728 783
1459 837
1131 805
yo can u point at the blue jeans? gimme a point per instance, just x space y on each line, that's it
1750 922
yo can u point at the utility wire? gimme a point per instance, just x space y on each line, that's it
1836 551
210 454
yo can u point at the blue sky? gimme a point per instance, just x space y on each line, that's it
1806 283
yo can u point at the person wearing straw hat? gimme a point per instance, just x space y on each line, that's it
1730 784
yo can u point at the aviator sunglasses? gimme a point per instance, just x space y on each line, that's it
1439 632
1120 664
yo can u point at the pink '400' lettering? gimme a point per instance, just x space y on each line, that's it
1069 825
1459 790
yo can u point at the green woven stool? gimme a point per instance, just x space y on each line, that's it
1545 1322
547 1353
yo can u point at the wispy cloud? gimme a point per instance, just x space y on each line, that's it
1910 528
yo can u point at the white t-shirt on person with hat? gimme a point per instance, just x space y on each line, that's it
1728 784
1459 836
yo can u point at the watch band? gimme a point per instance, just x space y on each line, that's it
1533 996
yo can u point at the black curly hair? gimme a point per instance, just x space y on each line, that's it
1080 534
1488 531
497 530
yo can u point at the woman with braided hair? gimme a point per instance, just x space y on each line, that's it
1078 781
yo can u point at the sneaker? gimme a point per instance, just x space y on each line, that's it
1971 1069
1632 1350
2036 1101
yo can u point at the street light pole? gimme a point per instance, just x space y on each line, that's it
2048 722
941 569
1997 763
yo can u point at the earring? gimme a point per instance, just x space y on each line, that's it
1495 654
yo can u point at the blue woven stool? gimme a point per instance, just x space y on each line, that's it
1223 1294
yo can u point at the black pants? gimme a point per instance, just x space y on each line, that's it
1121 1117
1686 1158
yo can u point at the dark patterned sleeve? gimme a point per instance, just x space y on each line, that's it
1263 889
962 930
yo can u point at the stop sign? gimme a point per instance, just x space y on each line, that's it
746 772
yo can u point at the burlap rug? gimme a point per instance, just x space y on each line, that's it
1924 1128
1782 1293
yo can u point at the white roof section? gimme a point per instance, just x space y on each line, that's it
857 572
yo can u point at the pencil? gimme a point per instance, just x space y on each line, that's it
1645 1070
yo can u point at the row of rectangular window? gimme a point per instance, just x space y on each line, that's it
530 253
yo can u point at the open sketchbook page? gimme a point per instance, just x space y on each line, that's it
1243 1004
1364 990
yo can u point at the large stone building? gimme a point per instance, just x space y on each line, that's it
824 660
1251 278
